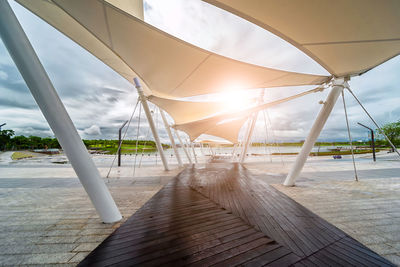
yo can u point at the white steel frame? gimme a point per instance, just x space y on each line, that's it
153 128
49 102
337 87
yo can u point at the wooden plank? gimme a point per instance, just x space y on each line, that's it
271 256
222 215
195 257
237 255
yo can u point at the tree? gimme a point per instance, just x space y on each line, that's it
392 131
5 137
21 142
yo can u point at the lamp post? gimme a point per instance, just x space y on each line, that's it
2 125
372 140
120 142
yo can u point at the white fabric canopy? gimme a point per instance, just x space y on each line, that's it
214 142
195 128
228 130
168 66
345 37
187 111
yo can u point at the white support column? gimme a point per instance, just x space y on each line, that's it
246 134
211 150
194 152
233 151
337 88
201 149
183 146
171 138
46 97
250 130
248 137
151 122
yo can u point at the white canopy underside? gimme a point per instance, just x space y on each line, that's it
168 66
345 37
213 142
207 125
227 130
187 111
190 112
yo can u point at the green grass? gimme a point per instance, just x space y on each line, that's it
331 153
21 155
123 146
125 149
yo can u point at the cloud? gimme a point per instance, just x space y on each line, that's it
3 75
92 130
98 100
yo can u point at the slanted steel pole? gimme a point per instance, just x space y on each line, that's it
194 152
372 119
233 151
187 147
250 130
350 139
120 142
46 97
337 88
183 146
248 137
201 149
171 138
151 122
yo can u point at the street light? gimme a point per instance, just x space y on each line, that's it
120 142
2 125
372 140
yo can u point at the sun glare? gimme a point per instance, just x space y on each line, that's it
237 100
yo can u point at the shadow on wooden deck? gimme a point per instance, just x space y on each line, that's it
220 215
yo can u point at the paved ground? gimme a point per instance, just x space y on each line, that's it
368 210
47 218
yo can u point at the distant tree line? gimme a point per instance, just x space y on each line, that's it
113 143
8 141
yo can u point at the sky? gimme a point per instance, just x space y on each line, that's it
99 100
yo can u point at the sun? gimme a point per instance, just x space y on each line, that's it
236 100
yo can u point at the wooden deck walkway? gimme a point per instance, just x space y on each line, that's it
220 215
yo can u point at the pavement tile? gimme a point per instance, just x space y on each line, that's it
53 248
382 248
396 245
11 260
58 240
73 226
394 258
389 228
92 238
96 231
86 247
48 258
393 236
78 257
68 232
18 248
